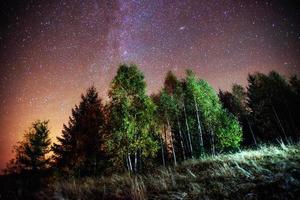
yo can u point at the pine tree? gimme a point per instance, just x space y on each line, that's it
32 150
131 114
270 103
80 148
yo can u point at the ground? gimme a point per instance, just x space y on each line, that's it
269 172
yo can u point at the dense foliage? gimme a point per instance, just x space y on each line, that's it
32 150
269 110
130 119
186 119
81 147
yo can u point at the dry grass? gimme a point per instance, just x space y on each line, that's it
271 172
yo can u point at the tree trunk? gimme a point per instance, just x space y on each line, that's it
129 161
292 122
249 125
199 127
135 161
95 166
279 122
181 138
140 160
213 150
188 132
162 152
166 144
171 137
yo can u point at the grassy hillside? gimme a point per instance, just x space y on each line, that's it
267 173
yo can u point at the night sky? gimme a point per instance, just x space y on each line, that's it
52 51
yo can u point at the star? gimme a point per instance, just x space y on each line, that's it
52 51
182 28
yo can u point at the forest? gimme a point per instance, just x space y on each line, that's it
136 134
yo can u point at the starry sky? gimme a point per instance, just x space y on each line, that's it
51 51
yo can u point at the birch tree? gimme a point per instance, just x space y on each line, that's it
131 114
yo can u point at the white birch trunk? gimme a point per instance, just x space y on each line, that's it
199 127
188 132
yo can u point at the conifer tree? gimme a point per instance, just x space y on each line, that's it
270 103
80 148
32 150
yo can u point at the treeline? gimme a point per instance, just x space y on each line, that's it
268 109
187 119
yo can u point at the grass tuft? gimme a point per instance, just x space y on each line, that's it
269 172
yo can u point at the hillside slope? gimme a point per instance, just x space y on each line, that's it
267 173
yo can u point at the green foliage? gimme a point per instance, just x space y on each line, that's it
167 106
216 119
130 115
186 118
230 133
235 103
32 150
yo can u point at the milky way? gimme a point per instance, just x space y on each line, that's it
51 51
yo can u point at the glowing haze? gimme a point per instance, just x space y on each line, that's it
51 51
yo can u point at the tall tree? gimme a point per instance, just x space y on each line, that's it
167 109
184 101
192 87
32 150
295 103
231 103
131 115
269 98
235 103
295 84
80 147
173 87
160 127
221 125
